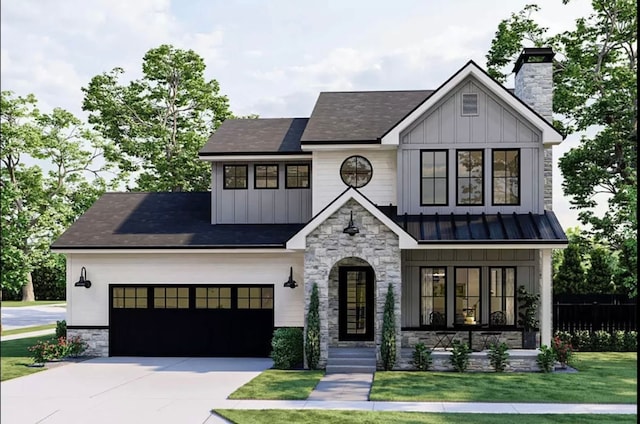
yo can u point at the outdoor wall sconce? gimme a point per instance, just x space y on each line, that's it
351 229
83 282
291 283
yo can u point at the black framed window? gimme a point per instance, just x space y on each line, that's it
213 297
502 298
433 284
470 177
171 297
266 176
235 177
255 297
298 176
130 297
467 295
434 171
505 176
356 171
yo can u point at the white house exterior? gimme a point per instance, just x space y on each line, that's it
449 190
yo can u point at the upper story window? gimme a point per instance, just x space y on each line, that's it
434 182
235 177
298 176
469 104
505 176
470 180
266 176
356 171
432 296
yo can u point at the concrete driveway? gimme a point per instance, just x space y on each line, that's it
127 390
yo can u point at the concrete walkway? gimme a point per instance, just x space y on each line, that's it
343 387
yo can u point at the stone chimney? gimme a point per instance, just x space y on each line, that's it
534 86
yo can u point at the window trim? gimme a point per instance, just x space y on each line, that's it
286 176
446 294
493 202
480 290
482 203
515 301
224 180
255 176
356 158
446 195
462 104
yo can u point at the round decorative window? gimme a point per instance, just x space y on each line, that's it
356 171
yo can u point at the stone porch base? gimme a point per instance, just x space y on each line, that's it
520 360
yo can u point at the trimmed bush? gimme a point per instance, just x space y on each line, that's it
312 340
61 329
631 341
460 355
581 340
498 356
600 341
287 348
388 348
546 359
421 357
617 341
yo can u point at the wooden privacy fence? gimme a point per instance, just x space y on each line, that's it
594 316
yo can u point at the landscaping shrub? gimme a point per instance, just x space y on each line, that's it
562 350
61 347
565 336
546 359
312 340
631 341
600 341
581 340
421 357
287 348
388 348
617 341
460 355
61 329
498 356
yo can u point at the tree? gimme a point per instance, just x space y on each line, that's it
600 274
595 88
37 205
570 278
312 338
159 122
388 347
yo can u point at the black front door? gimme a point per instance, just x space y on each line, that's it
356 303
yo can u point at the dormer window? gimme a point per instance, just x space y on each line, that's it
469 104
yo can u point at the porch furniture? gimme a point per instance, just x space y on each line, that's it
488 338
437 319
445 339
497 318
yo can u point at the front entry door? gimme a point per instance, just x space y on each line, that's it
356 303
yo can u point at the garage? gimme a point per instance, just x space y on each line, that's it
190 320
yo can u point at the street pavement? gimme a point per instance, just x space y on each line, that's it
29 316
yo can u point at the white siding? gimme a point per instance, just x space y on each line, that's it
328 185
91 306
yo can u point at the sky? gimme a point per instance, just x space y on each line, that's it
271 57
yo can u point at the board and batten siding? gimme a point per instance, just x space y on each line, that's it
527 271
90 307
259 206
496 126
381 190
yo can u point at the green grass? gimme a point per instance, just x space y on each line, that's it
603 377
314 416
19 303
27 329
279 384
16 358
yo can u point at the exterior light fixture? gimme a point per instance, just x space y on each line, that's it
291 283
351 229
83 282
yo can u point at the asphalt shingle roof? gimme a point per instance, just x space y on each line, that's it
359 116
165 220
256 136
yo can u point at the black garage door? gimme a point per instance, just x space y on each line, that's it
174 320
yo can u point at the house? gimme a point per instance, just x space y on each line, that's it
442 195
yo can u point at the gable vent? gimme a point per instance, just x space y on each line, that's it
469 104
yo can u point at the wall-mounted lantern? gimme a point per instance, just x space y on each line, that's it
83 282
291 283
351 229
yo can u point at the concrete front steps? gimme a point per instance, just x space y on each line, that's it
351 360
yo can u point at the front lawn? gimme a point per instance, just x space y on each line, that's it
16 358
279 384
28 329
19 303
314 416
603 377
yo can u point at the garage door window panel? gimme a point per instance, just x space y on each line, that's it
171 297
130 298
255 297
213 297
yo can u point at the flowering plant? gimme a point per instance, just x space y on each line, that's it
562 350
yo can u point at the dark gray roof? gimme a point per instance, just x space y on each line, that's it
359 116
164 220
256 136
481 228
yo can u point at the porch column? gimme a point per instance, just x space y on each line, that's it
546 297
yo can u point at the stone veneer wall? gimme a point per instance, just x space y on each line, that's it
518 361
410 338
97 340
328 247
